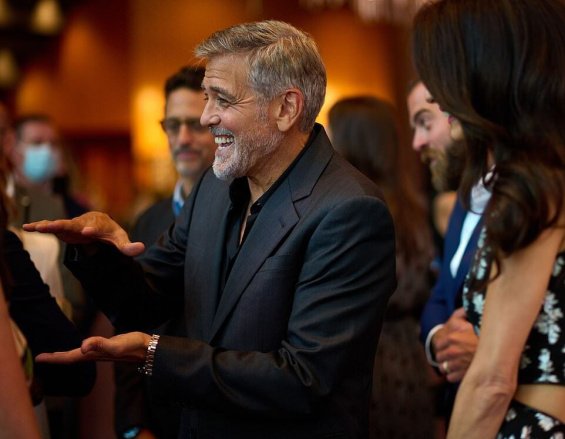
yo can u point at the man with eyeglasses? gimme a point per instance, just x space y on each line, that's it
192 150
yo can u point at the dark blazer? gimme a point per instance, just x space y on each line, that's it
286 349
43 323
446 294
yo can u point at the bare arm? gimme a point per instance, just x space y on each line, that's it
17 419
511 308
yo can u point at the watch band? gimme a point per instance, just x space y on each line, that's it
147 367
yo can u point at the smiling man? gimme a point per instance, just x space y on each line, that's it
282 260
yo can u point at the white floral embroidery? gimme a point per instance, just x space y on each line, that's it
546 367
525 360
479 302
547 321
511 414
482 267
557 435
526 432
559 263
545 422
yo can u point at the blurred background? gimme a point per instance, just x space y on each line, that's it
97 67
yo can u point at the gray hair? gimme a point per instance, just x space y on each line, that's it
280 57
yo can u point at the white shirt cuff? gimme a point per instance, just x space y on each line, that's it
428 345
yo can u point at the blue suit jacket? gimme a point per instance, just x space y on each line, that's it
447 290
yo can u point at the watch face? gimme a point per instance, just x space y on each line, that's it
131 433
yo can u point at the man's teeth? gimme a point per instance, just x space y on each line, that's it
223 140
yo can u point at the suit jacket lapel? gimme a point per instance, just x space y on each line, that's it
273 224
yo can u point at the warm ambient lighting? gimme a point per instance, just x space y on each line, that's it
47 17
8 69
5 13
398 11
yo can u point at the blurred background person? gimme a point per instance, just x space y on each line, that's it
431 140
17 419
35 159
37 315
191 146
363 129
192 149
446 334
508 104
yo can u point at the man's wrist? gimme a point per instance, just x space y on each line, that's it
147 367
430 354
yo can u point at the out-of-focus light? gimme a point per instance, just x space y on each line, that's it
5 13
8 69
47 17
400 11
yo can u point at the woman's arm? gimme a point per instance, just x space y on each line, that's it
44 325
17 419
511 307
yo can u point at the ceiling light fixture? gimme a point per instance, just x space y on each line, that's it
47 17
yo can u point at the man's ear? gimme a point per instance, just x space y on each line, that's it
289 109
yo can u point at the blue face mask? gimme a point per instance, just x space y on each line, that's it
39 163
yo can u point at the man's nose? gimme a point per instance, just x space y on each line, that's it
209 117
185 134
419 141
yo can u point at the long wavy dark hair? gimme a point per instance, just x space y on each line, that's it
498 67
365 131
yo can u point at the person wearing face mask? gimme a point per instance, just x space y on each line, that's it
35 158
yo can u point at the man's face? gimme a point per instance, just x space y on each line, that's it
432 139
192 145
243 131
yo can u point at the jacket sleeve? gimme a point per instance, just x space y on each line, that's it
346 276
44 325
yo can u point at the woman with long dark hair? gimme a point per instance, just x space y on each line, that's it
497 67
364 130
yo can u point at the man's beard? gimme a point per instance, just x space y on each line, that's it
446 176
247 149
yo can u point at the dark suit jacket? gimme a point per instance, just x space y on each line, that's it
286 349
446 294
43 323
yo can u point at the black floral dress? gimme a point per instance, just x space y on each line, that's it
543 358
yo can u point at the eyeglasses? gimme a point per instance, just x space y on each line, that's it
171 125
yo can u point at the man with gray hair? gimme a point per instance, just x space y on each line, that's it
282 260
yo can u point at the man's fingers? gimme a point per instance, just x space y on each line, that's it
67 357
132 248
45 226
